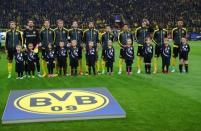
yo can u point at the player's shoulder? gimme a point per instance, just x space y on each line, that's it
138 28
9 30
65 29
174 29
165 30
184 28
96 30
51 29
86 30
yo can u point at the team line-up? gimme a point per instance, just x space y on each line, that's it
60 44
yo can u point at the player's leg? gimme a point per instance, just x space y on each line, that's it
44 65
86 65
186 63
157 53
121 60
181 65
175 55
10 61
38 65
139 59
94 69
97 64
80 61
103 61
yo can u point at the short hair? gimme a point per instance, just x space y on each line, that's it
12 21
60 20
46 20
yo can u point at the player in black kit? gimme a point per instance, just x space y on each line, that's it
109 56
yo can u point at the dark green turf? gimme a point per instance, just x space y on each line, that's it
152 102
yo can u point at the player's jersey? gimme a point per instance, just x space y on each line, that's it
62 53
105 38
50 55
60 35
19 57
159 36
76 34
109 54
31 56
73 53
123 37
184 49
47 36
166 51
148 50
140 35
13 38
177 34
91 35
129 53
31 36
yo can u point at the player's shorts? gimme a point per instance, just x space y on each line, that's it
122 53
175 51
183 56
140 51
147 59
11 53
157 50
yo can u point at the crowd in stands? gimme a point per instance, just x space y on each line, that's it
102 11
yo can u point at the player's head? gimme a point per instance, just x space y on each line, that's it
180 23
12 24
50 46
145 23
46 23
91 25
18 48
148 40
183 40
129 42
108 28
30 46
74 43
166 41
30 23
125 27
75 24
109 43
91 44
60 23
61 44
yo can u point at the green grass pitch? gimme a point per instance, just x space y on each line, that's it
156 102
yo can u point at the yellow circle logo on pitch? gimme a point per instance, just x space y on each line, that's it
61 102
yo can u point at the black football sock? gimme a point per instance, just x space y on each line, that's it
89 69
180 68
186 68
145 68
94 70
